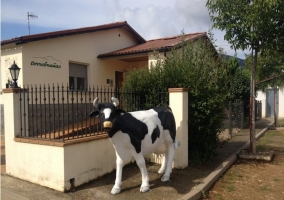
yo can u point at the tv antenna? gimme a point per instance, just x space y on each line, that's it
30 15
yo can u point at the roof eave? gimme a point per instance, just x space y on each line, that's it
57 34
117 56
144 52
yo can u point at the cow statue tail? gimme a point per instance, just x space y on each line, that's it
177 144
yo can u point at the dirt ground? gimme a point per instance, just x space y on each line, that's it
248 179
182 181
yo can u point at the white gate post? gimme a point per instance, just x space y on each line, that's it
12 123
179 105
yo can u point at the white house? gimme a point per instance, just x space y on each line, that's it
80 57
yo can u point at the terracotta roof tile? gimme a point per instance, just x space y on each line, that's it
156 44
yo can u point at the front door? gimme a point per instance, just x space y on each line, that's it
118 79
270 102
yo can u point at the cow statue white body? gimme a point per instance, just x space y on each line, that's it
138 134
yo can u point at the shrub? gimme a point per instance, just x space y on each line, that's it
197 66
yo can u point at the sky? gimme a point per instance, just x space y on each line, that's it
152 19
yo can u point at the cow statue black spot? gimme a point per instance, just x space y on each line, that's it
138 134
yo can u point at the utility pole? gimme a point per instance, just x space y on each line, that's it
30 15
252 102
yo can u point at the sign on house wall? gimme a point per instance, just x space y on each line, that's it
47 61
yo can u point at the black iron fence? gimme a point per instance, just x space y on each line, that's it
239 113
55 112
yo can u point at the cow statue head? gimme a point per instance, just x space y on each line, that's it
107 112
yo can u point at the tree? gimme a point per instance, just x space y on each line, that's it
270 70
270 73
238 80
238 83
250 24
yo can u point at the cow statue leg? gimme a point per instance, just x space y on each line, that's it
119 165
140 161
164 165
169 157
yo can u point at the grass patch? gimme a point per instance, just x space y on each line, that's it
265 188
232 176
276 179
276 162
220 197
229 179
230 188
264 140
280 123
260 147
238 175
204 196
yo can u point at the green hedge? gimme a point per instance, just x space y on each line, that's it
195 66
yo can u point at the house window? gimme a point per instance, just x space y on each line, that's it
77 76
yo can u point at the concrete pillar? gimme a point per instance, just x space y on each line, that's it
12 123
179 106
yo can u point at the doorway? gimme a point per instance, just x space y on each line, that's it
270 102
119 79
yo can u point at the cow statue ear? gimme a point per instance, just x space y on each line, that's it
115 101
96 103
119 112
94 114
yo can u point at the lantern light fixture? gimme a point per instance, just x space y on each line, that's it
14 70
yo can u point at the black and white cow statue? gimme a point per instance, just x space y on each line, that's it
138 134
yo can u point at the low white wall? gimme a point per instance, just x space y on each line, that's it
35 163
52 166
88 161
38 164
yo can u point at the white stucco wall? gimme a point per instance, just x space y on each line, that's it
8 56
35 163
38 164
53 167
261 96
88 161
153 57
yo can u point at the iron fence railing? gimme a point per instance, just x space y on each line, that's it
239 113
55 112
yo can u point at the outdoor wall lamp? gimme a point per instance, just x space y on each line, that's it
14 70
